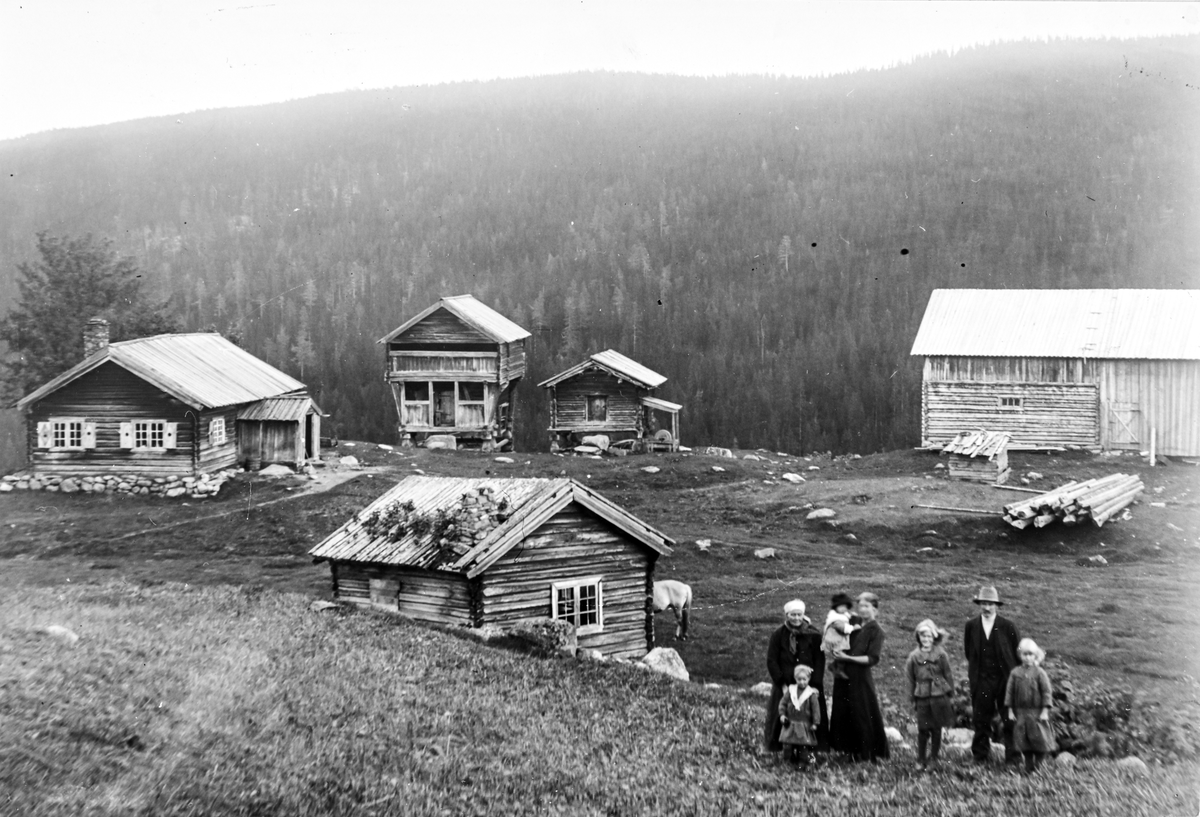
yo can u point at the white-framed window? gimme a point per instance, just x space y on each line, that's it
597 408
579 601
148 435
216 431
66 434
1011 402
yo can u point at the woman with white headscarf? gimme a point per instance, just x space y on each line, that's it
796 642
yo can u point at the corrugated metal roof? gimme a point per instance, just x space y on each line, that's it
530 503
616 364
1150 324
279 409
472 312
202 369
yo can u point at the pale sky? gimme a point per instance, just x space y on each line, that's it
73 63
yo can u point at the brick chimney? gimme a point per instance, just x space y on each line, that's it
95 336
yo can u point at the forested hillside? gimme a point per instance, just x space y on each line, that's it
767 244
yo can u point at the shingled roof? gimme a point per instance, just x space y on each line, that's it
472 312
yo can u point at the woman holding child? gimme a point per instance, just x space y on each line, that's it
856 725
797 642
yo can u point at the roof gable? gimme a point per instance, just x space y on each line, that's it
615 364
473 313
203 370
1148 324
532 502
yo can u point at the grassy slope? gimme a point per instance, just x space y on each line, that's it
268 708
234 701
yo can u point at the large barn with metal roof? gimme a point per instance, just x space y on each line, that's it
1099 369
494 551
169 405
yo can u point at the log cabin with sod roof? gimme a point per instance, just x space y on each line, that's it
167 406
1096 369
493 551
454 369
611 394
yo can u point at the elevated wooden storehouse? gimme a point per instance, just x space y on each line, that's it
475 552
610 394
1084 368
981 456
167 405
454 369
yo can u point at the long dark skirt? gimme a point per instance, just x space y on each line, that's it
856 726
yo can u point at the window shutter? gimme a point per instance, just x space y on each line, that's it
127 435
169 434
43 435
89 435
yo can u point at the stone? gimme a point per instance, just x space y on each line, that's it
939 467
445 441
506 460
1034 475
590 655
666 661
349 461
716 451
586 449
821 513
850 539
1092 561
960 736
598 441
320 606
546 636
765 553
1135 765
174 492
718 469
893 734
794 478
703 545
651 469
761 688
997 752
814 468
68 486
276 470
385 447
60 633
753 457
1065 759
5 487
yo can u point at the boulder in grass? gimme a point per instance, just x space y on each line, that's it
821 513
349 461
61 633
586 449
765 553
1065 759
793 478
717 451
997 752
761 688
893 734
599 441
703 545
1135 765
666 661
718 469
651 469
443 441
505 460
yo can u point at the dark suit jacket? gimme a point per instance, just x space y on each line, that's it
1005 636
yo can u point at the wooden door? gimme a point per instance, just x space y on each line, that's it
443 404
1124 425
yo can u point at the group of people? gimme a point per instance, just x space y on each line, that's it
1007 684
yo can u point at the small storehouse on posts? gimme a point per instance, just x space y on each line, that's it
494 551
1099 369
454 369
610 394
168 405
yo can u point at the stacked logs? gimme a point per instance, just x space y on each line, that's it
1096 499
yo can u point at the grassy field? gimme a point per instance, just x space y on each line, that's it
203 684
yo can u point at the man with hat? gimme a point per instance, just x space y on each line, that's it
990 642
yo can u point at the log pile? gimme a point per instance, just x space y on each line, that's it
979 455
1096 499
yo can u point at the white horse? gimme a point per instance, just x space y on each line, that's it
677 596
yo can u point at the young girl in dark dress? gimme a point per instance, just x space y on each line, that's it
856 725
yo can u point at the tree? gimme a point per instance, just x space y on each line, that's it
76 279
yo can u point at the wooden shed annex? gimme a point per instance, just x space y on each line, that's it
494 551
1097 369
611 394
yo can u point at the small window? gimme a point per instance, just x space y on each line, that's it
597 408
216 431
470 392
67 433
1010 402
579 602
149 434
416 390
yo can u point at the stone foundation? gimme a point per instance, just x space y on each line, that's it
196 487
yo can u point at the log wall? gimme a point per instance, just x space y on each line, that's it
1050 414
108 396
576 545
624 404
427 595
